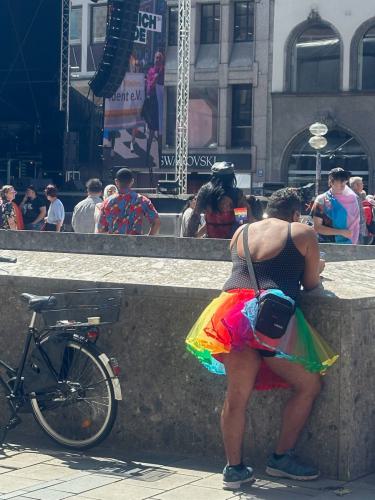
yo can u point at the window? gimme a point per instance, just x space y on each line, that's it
316 61
243 21
98 23
241 116
210 23
76 25
203 117
367 61
172 25
342 149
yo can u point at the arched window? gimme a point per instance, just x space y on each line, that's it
367 61
342 150
316 60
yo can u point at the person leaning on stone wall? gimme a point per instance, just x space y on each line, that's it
34 209
56 212
9 216
227 339
217 201
356 185
186 214
336 213
83 218
123 213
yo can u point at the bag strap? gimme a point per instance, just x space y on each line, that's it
250 267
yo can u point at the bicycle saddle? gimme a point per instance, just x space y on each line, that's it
39 302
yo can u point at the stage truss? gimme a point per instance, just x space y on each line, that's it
65 61
182 104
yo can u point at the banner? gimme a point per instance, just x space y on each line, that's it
133 116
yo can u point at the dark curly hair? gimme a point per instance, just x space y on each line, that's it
284 203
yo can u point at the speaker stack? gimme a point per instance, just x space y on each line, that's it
121 26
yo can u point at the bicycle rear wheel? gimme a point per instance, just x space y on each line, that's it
80 411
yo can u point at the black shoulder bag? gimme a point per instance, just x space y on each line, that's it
274 312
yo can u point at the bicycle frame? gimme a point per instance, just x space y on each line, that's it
18 373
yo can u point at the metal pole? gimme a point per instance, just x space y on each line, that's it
182 98
318 169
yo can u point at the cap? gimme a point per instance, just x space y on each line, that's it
222 168
339 173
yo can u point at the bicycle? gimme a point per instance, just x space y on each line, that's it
70 385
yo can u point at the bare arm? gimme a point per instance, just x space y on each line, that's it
329 231
202 231
42 214
195 218
313 264
154 227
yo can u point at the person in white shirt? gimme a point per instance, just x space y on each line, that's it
83 219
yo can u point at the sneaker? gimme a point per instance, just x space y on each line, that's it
291 467
234 477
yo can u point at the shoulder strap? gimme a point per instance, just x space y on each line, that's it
250 267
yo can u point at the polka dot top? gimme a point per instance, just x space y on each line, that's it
284 271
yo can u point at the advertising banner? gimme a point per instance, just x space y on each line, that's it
133 116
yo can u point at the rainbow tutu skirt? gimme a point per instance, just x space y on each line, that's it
227 324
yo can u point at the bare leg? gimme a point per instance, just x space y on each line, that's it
160 149
242 368
306 388
151 135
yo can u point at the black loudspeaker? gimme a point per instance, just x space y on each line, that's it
121 26
168 187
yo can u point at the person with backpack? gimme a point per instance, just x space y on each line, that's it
369 211
217 200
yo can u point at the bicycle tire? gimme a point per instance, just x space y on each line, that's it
45 419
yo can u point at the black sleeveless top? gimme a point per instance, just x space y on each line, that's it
284 271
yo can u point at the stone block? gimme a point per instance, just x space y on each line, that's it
171 403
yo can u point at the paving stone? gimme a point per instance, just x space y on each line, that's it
12 495
20 460
159 482
9 484
200 464
47 472
321 484
191 492
47 494
85 483
5 469
188 472
122 490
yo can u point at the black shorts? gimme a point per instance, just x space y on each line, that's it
266 354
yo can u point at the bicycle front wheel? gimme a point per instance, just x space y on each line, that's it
81 410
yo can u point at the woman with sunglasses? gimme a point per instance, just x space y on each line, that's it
10 213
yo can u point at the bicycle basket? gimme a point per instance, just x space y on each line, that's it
78 306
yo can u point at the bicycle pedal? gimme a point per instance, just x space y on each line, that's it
13 422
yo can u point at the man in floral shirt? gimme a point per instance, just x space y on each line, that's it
123 213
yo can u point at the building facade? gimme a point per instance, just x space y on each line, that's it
323 70
229 80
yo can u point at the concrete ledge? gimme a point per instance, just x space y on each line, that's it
151 246
173 404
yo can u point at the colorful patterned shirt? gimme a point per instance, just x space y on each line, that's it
123 213
7 213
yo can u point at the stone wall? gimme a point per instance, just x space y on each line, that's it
151 246
170 402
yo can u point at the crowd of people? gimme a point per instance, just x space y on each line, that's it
31 213
253 332
342 214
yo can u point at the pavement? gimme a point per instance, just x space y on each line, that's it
30 471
